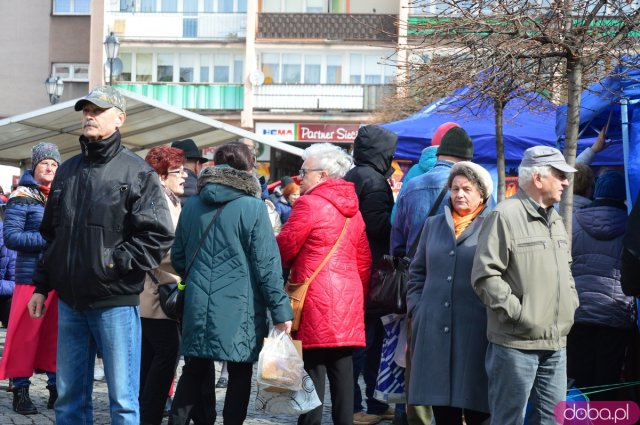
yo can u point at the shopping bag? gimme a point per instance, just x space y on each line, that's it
279 364
289 402
390 383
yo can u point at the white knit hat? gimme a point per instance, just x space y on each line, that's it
483 175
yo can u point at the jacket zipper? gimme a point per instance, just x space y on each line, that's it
79 214
557 307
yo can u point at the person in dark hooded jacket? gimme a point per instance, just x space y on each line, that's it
373 151
599 337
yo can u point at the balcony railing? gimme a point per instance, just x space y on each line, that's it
344 97
173 26
192 96
327 26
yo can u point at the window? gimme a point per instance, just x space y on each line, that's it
238 69
293 6
71 7
315 6
272 6
144 66
372 70
271 68
187 68
221 68
225 6
148 5
355 69
208 6
165 67
312 67
71 71
127 6
205 68
291 69
334 69
169 5
126 66
242 6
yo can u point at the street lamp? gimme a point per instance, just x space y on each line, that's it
111 47
54 86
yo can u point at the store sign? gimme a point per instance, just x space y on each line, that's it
276 131
343 133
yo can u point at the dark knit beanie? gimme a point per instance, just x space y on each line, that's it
456 142
43 151
610 185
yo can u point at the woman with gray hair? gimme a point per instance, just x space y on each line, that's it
324 241
449 323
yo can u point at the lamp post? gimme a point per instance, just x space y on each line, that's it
54 86
111 47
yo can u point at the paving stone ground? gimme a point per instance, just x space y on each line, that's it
39 395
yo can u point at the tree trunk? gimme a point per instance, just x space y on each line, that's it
498 107
574 90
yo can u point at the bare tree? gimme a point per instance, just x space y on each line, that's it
504 48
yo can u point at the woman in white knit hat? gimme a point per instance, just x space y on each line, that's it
449 323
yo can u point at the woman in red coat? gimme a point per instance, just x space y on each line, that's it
333 315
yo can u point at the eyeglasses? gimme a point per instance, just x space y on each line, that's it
177 172
304 172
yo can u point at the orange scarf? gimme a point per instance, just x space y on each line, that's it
462 222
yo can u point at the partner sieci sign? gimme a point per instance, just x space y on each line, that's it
597 412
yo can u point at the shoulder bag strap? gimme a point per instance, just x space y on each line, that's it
204 235
333 249
432 211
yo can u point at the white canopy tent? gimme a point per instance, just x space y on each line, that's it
149 123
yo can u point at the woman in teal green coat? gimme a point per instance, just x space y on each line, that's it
235 278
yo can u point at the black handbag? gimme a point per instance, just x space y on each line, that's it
170 295
388 285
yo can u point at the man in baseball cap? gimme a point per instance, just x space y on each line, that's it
106 224
522 274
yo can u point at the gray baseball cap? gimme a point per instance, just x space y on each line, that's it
546 155
103 97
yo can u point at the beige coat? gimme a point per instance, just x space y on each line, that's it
149 301
522 274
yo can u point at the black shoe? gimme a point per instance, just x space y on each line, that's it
53 395
22 402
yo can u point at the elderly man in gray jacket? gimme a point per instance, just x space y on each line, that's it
522 273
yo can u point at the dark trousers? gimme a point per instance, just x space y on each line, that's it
5 308
595 355
367 361
195 395
159 359
453 416
337 365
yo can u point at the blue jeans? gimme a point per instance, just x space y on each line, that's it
517 376
116 332
23 382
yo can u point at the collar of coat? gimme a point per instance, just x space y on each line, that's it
228 176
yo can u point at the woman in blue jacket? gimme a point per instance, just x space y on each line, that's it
7 276
31 343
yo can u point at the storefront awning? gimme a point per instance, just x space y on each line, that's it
149 123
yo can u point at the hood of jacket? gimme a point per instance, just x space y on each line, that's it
101 150
339 193
27 179
602 222
428 158
221 184
375 146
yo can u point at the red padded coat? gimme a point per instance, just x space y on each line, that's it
333 312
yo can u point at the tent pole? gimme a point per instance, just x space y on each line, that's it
624 118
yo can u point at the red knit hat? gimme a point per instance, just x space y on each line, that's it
440 131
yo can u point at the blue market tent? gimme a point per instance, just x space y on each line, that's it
523 127
614 100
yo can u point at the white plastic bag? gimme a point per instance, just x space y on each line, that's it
289 402
279 364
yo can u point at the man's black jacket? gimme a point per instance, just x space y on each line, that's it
106 223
